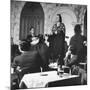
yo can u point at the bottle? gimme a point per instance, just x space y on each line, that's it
58 69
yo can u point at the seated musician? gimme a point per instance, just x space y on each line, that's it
32 39
38 43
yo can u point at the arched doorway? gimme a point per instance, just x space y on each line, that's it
31 15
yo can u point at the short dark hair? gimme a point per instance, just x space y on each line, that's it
60 18
31 27
77 28
24 45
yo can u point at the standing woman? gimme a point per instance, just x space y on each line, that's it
57 41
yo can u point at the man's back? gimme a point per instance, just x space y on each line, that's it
77 42
30 59
77 47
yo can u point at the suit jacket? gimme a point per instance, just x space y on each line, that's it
30 59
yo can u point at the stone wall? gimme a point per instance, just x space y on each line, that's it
50 11
16 7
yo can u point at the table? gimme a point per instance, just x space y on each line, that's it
48 79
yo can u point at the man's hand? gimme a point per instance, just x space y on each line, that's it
18 69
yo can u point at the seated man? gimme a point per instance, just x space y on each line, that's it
77 52
77 47
28 62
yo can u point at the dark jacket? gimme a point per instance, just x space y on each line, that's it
29 60
77 47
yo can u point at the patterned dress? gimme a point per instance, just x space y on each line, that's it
57 42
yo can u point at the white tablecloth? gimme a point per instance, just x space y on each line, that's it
38 80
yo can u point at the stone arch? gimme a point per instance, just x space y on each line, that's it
68 18
62 10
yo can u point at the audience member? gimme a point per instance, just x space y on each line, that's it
77 46
29 61
77 52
